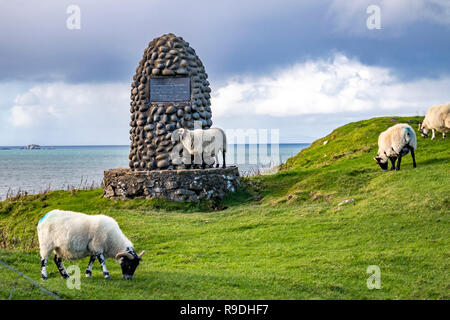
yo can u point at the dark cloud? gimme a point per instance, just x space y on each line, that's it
231 37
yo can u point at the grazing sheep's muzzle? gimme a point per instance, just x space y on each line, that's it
127 277
383 165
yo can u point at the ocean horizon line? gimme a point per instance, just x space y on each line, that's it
125 145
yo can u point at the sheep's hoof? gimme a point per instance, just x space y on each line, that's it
88 273
65 276
106 275
44 278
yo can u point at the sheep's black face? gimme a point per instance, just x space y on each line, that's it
129 266
129 261
383 165
423 131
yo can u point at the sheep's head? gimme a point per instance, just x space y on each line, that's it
382 162
177 135
423 130
129 261
186 137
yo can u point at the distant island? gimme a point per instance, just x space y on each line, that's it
32 147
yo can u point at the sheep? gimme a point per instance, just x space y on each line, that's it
74 235
211 142
394 143
437 118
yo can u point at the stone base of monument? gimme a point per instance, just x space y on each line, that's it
190 185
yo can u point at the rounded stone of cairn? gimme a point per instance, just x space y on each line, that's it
152 124
171 109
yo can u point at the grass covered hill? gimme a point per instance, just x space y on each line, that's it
283 236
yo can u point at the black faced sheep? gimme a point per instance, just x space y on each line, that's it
74 235
437 118
394 143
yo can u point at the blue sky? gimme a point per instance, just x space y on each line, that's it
303 67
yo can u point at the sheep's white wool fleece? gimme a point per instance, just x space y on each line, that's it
213 134
438 118
75 235
394 139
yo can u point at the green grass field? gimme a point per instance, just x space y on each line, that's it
283 236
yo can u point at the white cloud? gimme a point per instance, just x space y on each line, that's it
329 86
78 113
318 95
66 104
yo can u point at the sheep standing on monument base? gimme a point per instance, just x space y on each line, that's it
74 235
394 143
437 118
208 143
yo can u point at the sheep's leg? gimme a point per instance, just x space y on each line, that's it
203 161
59 263
444 135
216 156
45 252
101 259
191 164
399 160
413 156
223 158
89 267
44 268
194 164
432 136
393 163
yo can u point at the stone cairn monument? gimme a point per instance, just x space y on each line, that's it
178 94
169 91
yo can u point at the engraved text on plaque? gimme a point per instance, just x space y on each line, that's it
170 89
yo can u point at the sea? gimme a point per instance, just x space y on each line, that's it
66 167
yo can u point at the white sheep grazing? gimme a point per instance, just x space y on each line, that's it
394 143
437 118
212 141
74 235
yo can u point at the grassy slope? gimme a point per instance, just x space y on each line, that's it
295 243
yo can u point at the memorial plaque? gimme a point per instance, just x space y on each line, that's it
170 89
